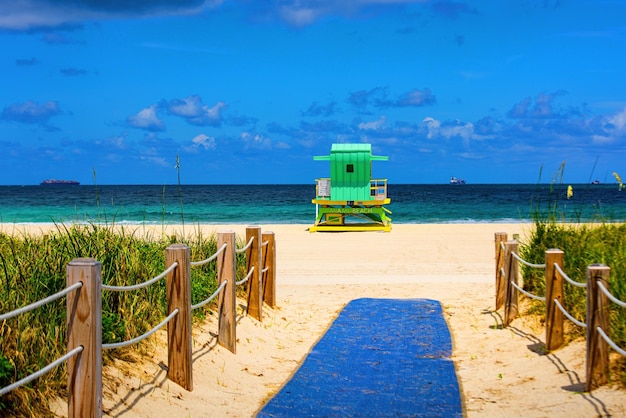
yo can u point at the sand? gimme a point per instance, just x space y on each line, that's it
501 371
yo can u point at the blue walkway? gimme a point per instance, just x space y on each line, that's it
380 357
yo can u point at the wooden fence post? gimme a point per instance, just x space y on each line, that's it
253 259
179 328
554 290
501 237
227 300
269 263
84 328
597 316
511 274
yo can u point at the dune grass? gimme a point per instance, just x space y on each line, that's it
33 267
582 244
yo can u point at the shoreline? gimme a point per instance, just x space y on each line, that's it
404 255
501 371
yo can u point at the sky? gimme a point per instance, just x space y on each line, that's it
248 92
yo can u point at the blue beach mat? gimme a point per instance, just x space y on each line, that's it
380 357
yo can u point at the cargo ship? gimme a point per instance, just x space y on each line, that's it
455 180
54 182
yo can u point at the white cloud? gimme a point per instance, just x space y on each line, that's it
27 14
118 141
31 112
456 129
160 161
464 130
204 141
601 139
302 12
256 140
213 113
24 14
187 107
299 16
619 121
613 129
195 112
282 145
147 119
432 126
374 125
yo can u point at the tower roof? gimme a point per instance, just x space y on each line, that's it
351 148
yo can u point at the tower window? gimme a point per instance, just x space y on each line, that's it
349 168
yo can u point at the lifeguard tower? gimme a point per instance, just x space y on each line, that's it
351 200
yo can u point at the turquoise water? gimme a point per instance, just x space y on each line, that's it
258 204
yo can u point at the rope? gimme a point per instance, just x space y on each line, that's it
213 257
246 247
265 270
610 342
210 298
41 372
521 260
264 243
502 272
245 279
610 296
566 277
41 302
141 337
570 317
530 295
141 285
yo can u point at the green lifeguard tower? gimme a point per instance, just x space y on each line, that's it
351 200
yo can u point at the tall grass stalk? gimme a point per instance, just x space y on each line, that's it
34 266
95 184
180 195
582 244
163 212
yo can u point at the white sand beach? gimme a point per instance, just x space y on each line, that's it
502 372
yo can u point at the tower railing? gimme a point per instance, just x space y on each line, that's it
378 189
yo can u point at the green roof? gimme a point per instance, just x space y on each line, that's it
351 148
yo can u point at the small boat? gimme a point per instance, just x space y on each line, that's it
54 182
454 180
595 182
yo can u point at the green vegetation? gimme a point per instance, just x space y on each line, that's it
582 244
34 267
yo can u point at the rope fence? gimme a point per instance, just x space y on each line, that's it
245 279
530 295
141 337
41 372
568 315
40 303
599 298
208 260
141 285
84 313
58 361
567 278
245 248
210 298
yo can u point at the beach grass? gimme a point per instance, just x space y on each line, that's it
33 267
602 241
582 245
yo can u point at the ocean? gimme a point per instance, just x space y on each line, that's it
278 204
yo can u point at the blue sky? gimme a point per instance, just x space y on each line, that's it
247 92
